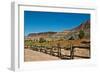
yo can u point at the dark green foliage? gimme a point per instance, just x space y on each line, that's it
41 40
81 34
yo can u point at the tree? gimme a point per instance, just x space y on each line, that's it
41 40
28 43
81 34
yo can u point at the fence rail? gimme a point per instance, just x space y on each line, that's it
57 51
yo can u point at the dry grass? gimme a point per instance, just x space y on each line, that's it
63 43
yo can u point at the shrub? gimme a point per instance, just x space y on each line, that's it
41 40
81 34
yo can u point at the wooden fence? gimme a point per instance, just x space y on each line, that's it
57 51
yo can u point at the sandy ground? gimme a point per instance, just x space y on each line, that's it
30 55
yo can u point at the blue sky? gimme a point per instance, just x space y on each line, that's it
35 22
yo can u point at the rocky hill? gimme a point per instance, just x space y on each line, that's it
66 34
83 26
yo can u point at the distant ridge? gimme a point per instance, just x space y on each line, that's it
85 26
41 33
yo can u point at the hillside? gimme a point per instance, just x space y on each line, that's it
83 26
66 34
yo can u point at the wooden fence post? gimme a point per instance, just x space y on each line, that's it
51 50
59 52
71 52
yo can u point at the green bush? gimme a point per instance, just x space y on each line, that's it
81 34
28 42
41 40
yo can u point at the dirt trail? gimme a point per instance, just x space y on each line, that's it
30 55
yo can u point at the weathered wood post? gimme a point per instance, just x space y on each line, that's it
41 48
51 51
71 51
45 49
59 50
